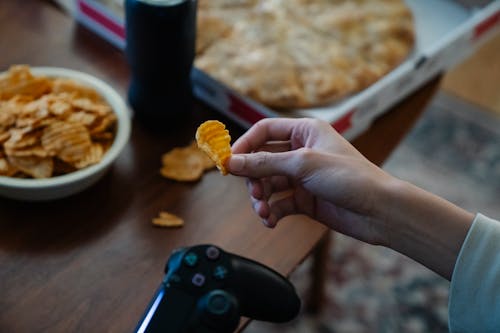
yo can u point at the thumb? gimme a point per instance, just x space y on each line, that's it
261 164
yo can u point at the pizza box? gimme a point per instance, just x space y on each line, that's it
105 17
447 31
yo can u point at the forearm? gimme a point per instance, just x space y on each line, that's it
424 227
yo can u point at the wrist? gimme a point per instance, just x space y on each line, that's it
396 197
423 226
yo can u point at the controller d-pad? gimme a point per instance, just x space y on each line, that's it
220 272
190 259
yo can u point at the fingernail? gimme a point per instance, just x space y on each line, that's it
270 221
269 224
236 163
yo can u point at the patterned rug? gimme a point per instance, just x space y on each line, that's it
454 152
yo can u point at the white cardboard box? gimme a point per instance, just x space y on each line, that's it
447 32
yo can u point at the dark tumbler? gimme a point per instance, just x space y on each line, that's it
160 49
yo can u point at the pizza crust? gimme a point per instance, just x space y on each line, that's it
289 54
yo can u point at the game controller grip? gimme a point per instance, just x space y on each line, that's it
263 293
218 310
206 290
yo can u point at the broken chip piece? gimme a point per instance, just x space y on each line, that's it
167 220
182 165
185 163
214 139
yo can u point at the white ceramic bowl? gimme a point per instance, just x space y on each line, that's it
74 182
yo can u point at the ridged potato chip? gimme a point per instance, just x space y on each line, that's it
206 161
69 141
20 81
93 156
69 86
6 168
213 138
34 166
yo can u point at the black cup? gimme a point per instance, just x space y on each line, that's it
160 49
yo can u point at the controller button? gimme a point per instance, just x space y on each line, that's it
212 253
220 272
198 279
218 304
191 259
174 278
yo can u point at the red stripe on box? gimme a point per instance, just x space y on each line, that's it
102 19
486 24
244 110
343 123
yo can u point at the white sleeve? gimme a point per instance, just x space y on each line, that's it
474 303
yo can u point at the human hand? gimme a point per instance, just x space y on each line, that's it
303 166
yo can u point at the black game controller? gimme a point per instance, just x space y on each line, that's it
206 289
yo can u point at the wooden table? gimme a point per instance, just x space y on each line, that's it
91 262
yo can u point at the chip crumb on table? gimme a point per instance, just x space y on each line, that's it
167 220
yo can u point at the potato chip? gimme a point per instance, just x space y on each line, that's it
185 163
182 165
7 117
88 105
82 117
105 123
20 81
60 108
4 136
36 150
36 167
94 155
213 138
69 141
168 220
4 166
62 85
22 137
7 169
206 161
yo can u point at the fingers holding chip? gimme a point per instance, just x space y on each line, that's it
211 149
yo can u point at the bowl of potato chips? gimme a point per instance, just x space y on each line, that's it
60 131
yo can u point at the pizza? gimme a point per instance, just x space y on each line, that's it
289 54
